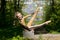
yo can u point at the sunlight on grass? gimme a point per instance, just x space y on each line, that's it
54 32
16 38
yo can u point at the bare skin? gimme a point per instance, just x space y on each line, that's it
22 19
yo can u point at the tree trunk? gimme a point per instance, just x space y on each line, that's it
3 5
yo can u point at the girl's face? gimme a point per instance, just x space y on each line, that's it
19 16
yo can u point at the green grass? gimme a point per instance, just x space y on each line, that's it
54 32
10 33
16 38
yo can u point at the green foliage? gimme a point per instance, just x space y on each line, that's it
8 9
53 13
54 32
9 31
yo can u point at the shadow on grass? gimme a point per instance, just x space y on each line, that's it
10 32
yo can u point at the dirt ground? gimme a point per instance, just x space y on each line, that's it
48 37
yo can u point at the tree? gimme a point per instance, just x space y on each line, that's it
7 13
3 5
53 14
